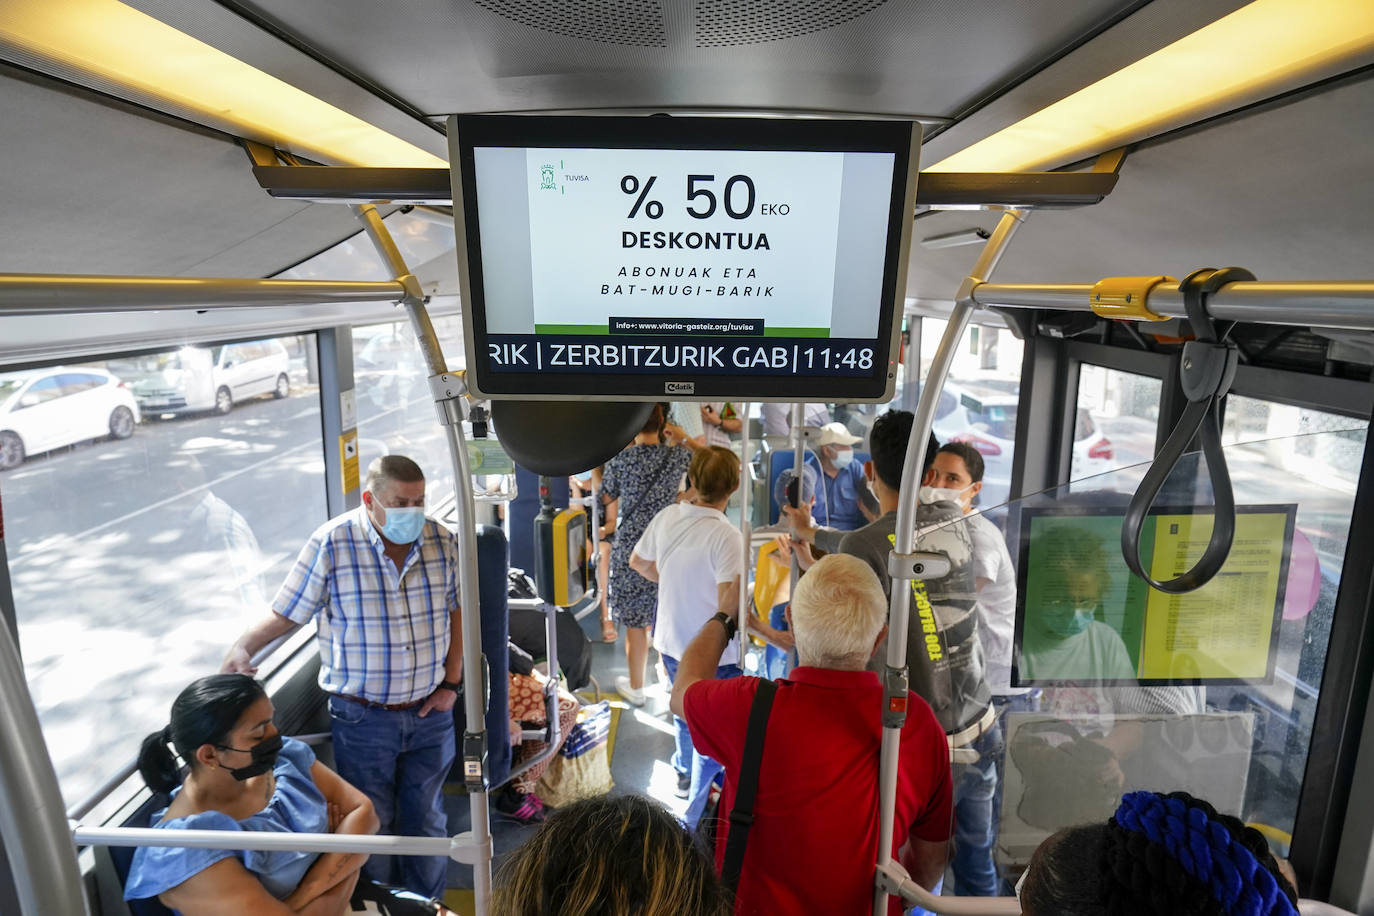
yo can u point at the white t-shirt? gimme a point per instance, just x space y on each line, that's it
1097 653
996 603
696 549
777 418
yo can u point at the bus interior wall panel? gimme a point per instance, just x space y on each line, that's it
128 203
1281 192
1341 704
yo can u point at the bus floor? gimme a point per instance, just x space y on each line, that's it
641 746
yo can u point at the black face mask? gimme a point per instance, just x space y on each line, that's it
264 757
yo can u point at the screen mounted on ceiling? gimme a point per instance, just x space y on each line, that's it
659 257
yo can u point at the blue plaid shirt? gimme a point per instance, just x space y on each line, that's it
383 636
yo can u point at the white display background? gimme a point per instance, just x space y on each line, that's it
577 248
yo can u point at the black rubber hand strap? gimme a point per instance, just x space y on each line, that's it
1216 365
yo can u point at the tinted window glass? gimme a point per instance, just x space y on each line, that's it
45 389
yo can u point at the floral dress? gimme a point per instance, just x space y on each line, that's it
645 478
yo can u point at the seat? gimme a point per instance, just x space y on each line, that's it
769 575
493 560
122 857
781 460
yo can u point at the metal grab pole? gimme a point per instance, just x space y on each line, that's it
899 611
1315 304
448 391
798 468
458 848
33 824
745 530
55 294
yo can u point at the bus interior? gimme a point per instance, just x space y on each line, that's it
230 276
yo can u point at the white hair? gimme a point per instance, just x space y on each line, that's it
838 609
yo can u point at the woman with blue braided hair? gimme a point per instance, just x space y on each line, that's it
1159 854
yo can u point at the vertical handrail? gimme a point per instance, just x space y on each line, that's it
448 391
899 610
33 825
798 468
745 530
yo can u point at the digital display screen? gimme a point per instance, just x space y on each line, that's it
686 257
1082 617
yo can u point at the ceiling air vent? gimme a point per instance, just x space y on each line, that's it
617 22
721 23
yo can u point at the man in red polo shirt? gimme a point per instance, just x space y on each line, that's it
814 841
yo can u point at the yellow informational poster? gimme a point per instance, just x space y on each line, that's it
1224 629
1083 617
348 460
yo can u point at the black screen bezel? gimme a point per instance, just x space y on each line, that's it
595 132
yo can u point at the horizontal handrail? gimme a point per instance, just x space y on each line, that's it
51 294
1308 304
459 848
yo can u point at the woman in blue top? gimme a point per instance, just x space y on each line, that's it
244 776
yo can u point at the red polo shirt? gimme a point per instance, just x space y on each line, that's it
814 842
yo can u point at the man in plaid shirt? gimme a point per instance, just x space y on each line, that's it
381 583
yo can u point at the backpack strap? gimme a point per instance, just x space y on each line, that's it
742 817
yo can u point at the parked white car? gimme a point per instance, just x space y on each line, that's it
206 378
50 408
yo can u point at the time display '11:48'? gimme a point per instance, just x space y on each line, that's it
836 358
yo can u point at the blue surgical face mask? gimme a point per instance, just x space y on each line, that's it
843 459
403 524
1070 621
584 477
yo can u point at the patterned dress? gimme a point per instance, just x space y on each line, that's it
645 478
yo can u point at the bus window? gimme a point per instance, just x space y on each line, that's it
136 561
1115 424
1213 692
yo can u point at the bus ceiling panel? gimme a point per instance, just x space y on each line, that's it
873 56
1153 26
92 185
1281 190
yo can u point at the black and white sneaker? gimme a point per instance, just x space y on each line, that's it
684 785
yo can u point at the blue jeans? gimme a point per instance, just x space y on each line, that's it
399 761
686 759
976 798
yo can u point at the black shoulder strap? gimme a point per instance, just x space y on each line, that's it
742 817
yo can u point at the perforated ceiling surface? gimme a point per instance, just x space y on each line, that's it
917 57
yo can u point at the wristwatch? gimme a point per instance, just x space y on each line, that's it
730 623
451 685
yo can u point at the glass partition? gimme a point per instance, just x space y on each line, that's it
156 508
1111 686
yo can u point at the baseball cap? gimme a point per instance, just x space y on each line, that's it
837 434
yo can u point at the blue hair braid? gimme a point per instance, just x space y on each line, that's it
1207 851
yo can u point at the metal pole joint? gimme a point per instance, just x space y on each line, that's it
918 565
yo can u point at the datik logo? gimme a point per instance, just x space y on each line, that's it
679 387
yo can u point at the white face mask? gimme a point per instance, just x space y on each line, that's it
843 459
941 494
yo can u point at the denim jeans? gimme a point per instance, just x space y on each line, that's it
703 769
399 761
976 817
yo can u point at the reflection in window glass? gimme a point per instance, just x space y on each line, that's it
1243 744
138 554
395 410
1115 423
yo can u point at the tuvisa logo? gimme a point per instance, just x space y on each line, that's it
679 387
546 182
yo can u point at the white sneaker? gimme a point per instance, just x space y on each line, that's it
632 696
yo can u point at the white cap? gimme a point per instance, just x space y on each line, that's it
836 434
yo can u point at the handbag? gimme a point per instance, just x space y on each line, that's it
582 767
